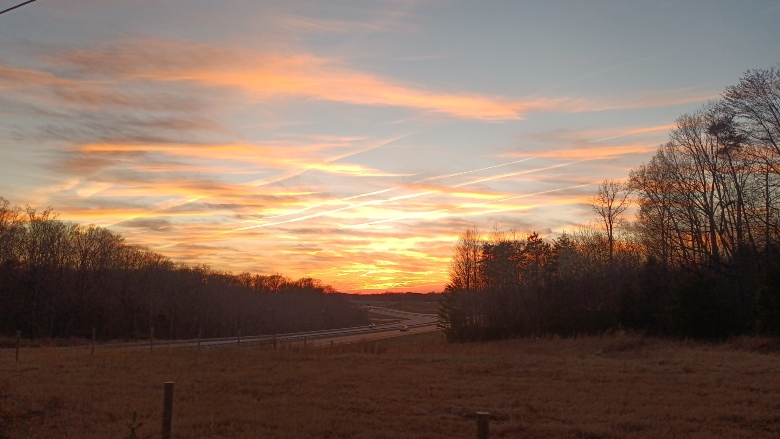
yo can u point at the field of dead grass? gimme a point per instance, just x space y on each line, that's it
617 386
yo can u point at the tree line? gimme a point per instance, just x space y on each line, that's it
701 257
61 279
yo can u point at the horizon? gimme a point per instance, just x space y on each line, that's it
351 143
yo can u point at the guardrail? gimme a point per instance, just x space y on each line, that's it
268 338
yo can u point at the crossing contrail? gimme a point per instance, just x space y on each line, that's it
464 206
408 196
400 197
438 177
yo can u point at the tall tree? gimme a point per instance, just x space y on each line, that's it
464 267
609 203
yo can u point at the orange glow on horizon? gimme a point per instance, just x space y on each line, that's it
281 160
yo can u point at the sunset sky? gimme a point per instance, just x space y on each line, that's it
351 141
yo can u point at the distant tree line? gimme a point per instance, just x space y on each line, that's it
701 258
408 296
60 279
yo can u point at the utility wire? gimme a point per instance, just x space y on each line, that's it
17 6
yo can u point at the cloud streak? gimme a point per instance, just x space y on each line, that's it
306 157
271 75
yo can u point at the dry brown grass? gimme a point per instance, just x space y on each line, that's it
615 386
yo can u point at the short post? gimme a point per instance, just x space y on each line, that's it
18 342
239 337
167 410
92 350
304 342
483 425
151 338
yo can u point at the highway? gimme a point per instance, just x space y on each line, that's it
417 323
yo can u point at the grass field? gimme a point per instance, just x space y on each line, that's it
614 386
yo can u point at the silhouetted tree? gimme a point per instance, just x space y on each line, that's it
61 279
701 258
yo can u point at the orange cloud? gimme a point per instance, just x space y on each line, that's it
243 205
279 156
268 75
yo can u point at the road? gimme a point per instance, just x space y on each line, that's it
417 323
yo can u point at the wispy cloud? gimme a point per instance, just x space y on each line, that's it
270 75
593 144
161 139
440 213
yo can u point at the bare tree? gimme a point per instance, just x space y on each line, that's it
62 279
609 203
756 100
464 268
11 227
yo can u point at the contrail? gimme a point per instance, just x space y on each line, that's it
438 177
400 197
295 173
376 202
469 172
329 202
464 206
512 174
275 179
636 131
328 212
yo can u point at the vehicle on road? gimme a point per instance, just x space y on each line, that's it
404 328
372 326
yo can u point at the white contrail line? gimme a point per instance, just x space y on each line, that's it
464 206
400 197
438 177
276 179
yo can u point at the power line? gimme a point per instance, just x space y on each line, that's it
17 6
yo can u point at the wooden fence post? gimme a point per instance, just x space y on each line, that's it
18 341
92 350
167 410
151 338
483 425
239 337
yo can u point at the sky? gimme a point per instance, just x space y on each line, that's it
350 141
